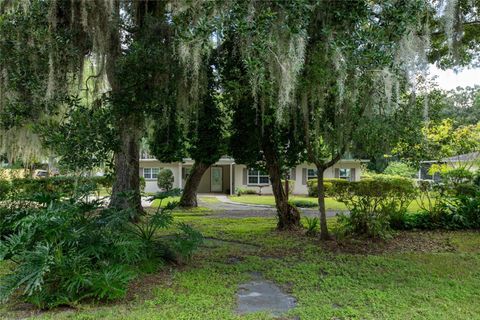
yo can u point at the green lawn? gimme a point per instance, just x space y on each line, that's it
416 276
331 204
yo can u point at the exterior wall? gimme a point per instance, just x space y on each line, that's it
299 188
205 183
151 184
238 176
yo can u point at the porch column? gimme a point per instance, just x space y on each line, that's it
231 179
180 182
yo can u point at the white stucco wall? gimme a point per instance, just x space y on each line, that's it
238 176
299 187
151 184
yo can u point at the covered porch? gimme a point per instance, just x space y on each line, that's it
217 179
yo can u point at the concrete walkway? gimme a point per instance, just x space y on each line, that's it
226 208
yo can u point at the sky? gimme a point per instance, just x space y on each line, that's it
448 79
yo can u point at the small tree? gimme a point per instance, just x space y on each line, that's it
165 179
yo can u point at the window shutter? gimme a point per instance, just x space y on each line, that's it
337 173
244 176
293 174
184 173
304 176
352 174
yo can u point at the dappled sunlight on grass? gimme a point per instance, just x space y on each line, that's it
391 284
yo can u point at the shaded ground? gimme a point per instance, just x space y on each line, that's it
225 208
416 275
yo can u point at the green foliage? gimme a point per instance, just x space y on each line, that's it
72 250
84 138
165 179
143 184
303 203
440 139
239 191
5 188
291 185
312 186
401 169
456 204
61 186
376 204
312 226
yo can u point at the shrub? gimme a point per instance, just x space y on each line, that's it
303 203
73 250
143 184
376 204
239 191
327 183
5 188
312 226
401 169
62 186
165 179
291 185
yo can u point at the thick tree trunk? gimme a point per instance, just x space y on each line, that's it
324 235
288 215
189 195
126 187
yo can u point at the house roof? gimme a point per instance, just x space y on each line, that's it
472 156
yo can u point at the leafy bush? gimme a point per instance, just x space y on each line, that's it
5 188
239 191
165 179
291 185
73 250
401 169
303 203
312 226
327 183
62 186
376 204
452 203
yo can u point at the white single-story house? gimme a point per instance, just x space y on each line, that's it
225 176
469 161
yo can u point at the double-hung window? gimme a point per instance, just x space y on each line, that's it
257 177
345 174
311 174
150 173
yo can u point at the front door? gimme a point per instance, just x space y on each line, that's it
216 179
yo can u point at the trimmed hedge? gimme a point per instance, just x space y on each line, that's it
327 183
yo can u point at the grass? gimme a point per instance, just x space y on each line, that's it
330 203
437 278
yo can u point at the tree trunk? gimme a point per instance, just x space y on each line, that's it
324 235
288 215
189 195
126 187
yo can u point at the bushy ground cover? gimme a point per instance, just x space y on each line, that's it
428 275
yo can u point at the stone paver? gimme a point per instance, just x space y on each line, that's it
260 295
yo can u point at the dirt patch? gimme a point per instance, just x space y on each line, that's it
142 287
407 241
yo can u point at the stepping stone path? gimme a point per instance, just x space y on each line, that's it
260 295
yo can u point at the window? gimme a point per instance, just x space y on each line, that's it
344 174
311 174
257 177
150 173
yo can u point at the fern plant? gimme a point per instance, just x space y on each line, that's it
312 226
